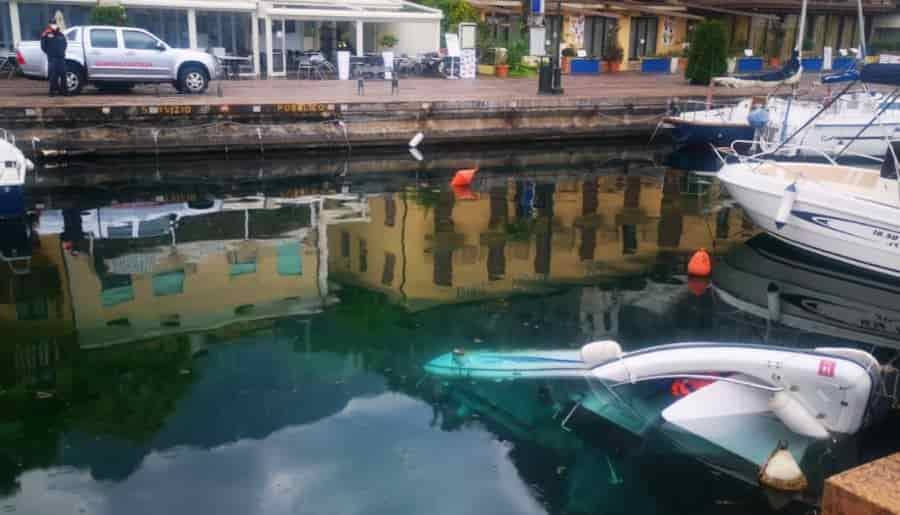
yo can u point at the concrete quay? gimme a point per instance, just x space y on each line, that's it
870 489
299 114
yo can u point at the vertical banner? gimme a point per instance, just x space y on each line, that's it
468 65
828 58
343 62
388 58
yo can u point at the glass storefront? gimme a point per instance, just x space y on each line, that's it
34 17
170 25
230 31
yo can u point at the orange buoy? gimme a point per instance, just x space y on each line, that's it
464 177
700 265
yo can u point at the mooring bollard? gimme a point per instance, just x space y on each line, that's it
219 91
395 86
360 87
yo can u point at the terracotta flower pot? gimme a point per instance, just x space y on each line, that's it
502 70
566 64
775 62
615 66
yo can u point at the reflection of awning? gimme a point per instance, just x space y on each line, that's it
408 12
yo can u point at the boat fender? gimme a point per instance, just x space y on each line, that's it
773 300
597 353
796 417
414 142
787 204
700 265
758 118
782 472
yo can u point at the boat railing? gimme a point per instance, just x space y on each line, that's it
771 152
725 111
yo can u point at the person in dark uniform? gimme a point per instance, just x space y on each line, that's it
53 43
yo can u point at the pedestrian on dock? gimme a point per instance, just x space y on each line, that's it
53 43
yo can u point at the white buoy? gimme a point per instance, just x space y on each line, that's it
796 417
787 203
782 472
773 298
416 154
414 142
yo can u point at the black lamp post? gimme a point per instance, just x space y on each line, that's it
550 71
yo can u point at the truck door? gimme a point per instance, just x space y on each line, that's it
146 56
104 56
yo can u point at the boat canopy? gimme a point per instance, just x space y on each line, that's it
849 75
881 73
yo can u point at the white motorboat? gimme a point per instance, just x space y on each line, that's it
841 212
14 166
744 399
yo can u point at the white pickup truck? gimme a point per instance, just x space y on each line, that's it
117 58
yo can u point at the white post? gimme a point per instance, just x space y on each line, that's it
360 40
14 22
270 60
254 37
192 28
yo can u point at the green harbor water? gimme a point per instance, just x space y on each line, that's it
247 336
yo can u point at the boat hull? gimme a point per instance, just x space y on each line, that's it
858 232
688 133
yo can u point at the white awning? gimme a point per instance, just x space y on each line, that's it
408 11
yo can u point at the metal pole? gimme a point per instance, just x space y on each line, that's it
862 32
557 69
801 29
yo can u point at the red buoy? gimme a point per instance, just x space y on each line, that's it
700 264
464 177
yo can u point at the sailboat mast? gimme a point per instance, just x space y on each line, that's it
862 32
801 30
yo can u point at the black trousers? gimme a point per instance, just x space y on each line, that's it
56 69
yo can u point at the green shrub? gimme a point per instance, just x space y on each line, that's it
514 54
708 55
109 15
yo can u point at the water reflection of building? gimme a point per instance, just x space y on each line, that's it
142 271
426 248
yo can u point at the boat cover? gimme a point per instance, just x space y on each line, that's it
790 68
848 75
881 73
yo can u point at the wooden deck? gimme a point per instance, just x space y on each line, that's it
25 93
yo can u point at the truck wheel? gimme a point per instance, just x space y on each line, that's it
74 79
193 79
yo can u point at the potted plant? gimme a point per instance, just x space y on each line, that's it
613 53
388 41
775 44
708 53
514 55
567 54
502 66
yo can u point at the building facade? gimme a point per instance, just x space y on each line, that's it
274 33
662 27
